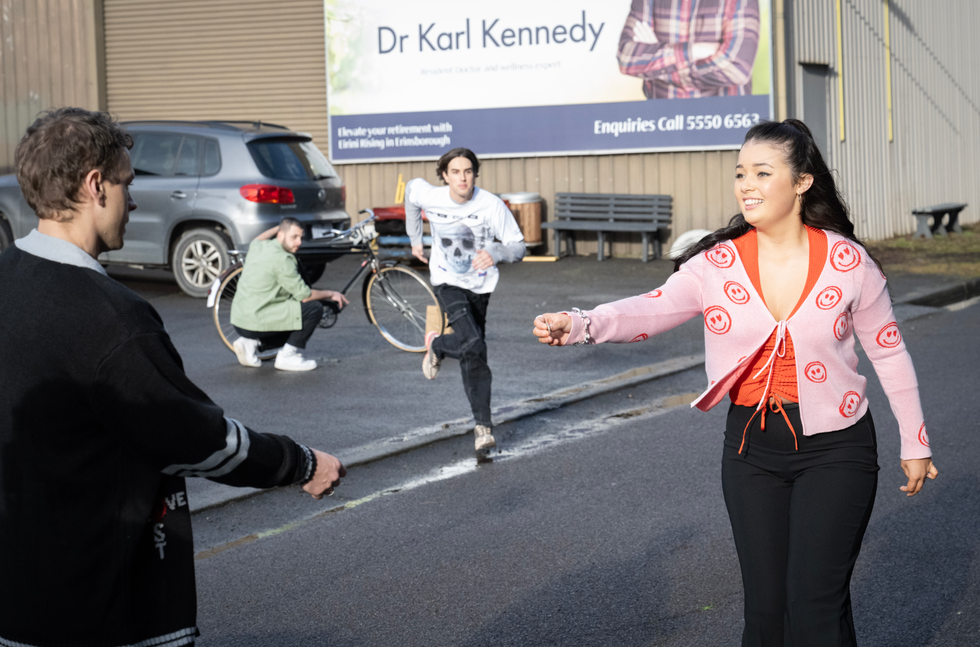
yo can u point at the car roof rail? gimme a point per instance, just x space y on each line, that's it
178 122
224 124
256 125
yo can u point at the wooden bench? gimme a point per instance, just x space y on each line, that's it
648 215
924 230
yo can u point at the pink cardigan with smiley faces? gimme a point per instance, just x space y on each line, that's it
849 297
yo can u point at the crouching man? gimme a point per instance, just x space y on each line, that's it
273 305
99 425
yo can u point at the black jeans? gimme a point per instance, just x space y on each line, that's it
467 314
798 518
312 313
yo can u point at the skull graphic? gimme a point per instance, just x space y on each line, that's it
458 244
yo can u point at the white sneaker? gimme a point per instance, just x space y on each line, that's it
290 359
430 363
247 351
483 438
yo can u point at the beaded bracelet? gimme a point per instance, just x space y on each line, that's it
588 322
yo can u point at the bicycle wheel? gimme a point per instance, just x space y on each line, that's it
397 298
222 307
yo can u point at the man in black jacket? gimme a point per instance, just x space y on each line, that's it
99 425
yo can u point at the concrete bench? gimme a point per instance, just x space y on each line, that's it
648 215
924 230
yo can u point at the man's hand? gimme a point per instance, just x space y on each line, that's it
332 295
336 297
328 473
643 33
483 260
268 234
917 470
418 251
700 51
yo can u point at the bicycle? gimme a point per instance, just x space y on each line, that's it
395 298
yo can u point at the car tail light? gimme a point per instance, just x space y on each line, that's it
267 194
343 194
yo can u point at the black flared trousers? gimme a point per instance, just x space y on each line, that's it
467 314
798 518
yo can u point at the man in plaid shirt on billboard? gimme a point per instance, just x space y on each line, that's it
689 48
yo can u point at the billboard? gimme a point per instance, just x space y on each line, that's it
411 80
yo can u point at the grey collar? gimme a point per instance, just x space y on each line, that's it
57 250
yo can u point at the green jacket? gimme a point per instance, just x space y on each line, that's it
270 290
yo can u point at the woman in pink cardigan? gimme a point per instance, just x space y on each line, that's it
781 289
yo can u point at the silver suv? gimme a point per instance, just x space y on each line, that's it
203 188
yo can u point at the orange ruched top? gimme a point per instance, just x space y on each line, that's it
757 383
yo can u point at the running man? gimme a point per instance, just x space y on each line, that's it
472 231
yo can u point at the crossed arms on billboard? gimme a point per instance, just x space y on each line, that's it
685 50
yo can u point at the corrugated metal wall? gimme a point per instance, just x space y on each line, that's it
935 89
48 58
221 59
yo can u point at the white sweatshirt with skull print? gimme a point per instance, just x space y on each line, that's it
459 231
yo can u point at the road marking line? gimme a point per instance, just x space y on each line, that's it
508 412
962 305
528 447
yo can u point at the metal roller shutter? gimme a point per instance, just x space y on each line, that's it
221 59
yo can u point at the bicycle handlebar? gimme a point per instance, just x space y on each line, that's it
337 235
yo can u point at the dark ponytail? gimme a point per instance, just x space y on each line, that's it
822 206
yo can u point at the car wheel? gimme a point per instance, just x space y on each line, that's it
6 238
200 256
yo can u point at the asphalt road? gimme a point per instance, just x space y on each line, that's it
366 390
600 523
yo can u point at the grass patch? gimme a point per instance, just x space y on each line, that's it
954 254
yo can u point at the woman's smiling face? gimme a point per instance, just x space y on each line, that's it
764 185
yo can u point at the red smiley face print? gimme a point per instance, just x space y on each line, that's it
736 293
841 326
844 256
641 337
889 336
721 256
717 320
815 372
849 406
653 295
829 297
923 436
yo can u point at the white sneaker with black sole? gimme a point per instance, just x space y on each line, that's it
247 351
430 363
290 359
483 439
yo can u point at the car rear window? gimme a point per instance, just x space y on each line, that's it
212 157
290 159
